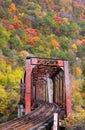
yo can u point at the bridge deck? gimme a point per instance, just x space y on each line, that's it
42 114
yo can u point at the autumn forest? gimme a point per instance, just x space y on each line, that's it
42 28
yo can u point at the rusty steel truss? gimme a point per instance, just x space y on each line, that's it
38 71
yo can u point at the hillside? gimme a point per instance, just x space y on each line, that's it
44 28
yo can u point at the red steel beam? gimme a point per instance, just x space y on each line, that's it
28 87
68 99
46 62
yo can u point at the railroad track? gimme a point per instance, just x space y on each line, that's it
42 114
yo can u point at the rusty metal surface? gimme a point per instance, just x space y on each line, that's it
67 85
37 71
47 61
28 87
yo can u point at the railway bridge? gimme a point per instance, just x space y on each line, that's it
44 90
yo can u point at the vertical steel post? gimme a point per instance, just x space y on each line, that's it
68 99
62 92
49 91
55 122
59 90
20 110
53 89
28 87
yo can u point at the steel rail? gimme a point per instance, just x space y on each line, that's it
13 122
37 117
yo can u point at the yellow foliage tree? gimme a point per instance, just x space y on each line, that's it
78 71
74 47
76 95
66 20
3 101
3 79
21 14
23 54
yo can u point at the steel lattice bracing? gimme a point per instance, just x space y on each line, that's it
39 72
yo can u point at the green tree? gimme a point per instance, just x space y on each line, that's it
81 51
81 23
4 36
64 42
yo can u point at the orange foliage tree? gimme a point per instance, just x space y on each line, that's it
32 36
83 42
12 8
15 24
55 44
31 32
58 20
35 39
32 40
83 16
11 27
80 42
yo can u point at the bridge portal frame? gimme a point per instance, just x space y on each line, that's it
31 62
